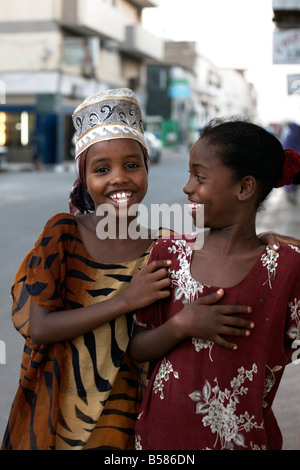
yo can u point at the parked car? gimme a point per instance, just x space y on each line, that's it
154 147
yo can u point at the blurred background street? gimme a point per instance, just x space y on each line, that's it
29 198
188 61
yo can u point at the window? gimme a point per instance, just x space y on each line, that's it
16 129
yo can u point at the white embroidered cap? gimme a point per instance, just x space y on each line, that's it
110 114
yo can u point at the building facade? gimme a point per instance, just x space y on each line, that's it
286 41
188 90
53 55
57 52
286 13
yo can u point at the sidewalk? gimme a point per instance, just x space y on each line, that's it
57 168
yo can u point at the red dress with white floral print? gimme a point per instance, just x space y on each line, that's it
202 396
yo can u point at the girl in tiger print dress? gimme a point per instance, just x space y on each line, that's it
72 297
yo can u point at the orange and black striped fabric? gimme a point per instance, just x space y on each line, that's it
79 394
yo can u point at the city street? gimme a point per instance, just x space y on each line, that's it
28 199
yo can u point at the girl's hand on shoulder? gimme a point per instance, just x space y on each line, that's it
150 284
207 320
274 239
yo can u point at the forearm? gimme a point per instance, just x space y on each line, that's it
204 318
51 327
146 287
149 345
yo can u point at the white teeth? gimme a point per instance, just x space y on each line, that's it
194 205
124 196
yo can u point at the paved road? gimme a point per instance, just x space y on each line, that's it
28 199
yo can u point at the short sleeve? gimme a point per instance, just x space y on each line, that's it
41 275
293 317
150 317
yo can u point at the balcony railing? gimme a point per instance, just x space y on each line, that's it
106 20
144 3
141 43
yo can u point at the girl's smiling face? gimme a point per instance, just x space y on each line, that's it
116 173
212 184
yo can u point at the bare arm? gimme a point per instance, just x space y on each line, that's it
147 286
201 319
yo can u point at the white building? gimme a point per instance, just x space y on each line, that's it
56 52
238 96
209 91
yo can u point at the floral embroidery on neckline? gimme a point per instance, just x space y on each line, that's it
296 248
187 289
185 285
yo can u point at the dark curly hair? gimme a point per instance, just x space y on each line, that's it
248 149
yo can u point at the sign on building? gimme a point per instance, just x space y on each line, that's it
294 84
286 46
179 88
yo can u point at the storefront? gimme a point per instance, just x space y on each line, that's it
37 134
16 130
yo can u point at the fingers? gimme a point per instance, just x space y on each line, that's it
163 283
232 331
211 298
163 294
238 328
237 322
225 309
234 309
225 344
285 240
158 269
271 239
274 240
229 331
157 264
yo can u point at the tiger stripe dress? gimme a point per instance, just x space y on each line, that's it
77 394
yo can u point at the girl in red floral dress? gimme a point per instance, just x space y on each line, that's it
200 395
